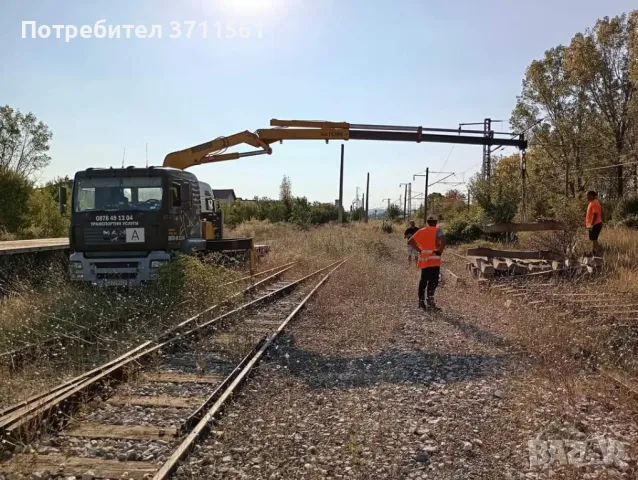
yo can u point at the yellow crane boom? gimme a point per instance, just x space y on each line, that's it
215 150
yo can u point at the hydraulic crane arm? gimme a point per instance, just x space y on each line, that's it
214 151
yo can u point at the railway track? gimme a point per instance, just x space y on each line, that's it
50 348
139 415
610 315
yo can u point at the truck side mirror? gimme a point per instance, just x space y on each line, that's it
62 199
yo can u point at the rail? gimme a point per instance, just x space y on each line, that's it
18 420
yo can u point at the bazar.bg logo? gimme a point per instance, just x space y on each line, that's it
597 451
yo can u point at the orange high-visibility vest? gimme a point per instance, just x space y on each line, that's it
425 238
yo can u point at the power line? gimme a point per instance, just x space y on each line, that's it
444 163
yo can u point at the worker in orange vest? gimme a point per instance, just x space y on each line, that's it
430 242
594 221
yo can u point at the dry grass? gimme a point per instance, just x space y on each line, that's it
91 325
318 386
97 324
571 339
368 286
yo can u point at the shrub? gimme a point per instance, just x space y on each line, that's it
572 214
15 190
44 219
393 212
625 209
297 210
462 230
629 222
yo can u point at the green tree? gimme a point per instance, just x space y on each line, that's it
393 212
44 219
15 190
499 198
24 142
285 195
579 107
600 62
435 203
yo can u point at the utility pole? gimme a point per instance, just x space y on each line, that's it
341 188
523 186
387 212
468 198
425 198
363 202
367 196
409 200
405 200
488 133
487 149
427 184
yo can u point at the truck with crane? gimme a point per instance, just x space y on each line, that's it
126 223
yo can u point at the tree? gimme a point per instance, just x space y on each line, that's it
15 191
285 189
393 212
556 113
579 106
435 203
285 195
499 198
601 61
453 201
24 142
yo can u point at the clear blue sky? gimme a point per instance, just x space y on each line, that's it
407 62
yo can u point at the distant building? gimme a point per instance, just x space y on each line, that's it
225 196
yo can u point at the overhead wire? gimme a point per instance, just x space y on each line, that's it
445 163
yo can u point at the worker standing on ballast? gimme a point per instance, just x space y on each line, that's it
413 253
594 221
430 242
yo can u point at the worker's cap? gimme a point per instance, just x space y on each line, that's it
432 218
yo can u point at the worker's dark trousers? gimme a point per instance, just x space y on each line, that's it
429 282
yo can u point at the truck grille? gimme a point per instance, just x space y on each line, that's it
116 276
108 265
103 236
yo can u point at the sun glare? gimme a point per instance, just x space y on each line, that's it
248 6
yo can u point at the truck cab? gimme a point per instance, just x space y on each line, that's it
127 222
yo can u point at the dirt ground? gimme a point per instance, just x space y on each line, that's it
365 385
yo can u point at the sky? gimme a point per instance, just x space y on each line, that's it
400 62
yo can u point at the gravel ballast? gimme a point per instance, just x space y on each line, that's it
365 385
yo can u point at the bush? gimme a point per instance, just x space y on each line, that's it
296 210
44 219
15 190
462 230
387 227
626 208
629 222
572 214
393 212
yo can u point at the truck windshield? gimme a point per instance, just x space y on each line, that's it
113 193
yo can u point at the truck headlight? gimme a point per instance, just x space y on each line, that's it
76 265
158 263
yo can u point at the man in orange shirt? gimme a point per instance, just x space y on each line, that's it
594 221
